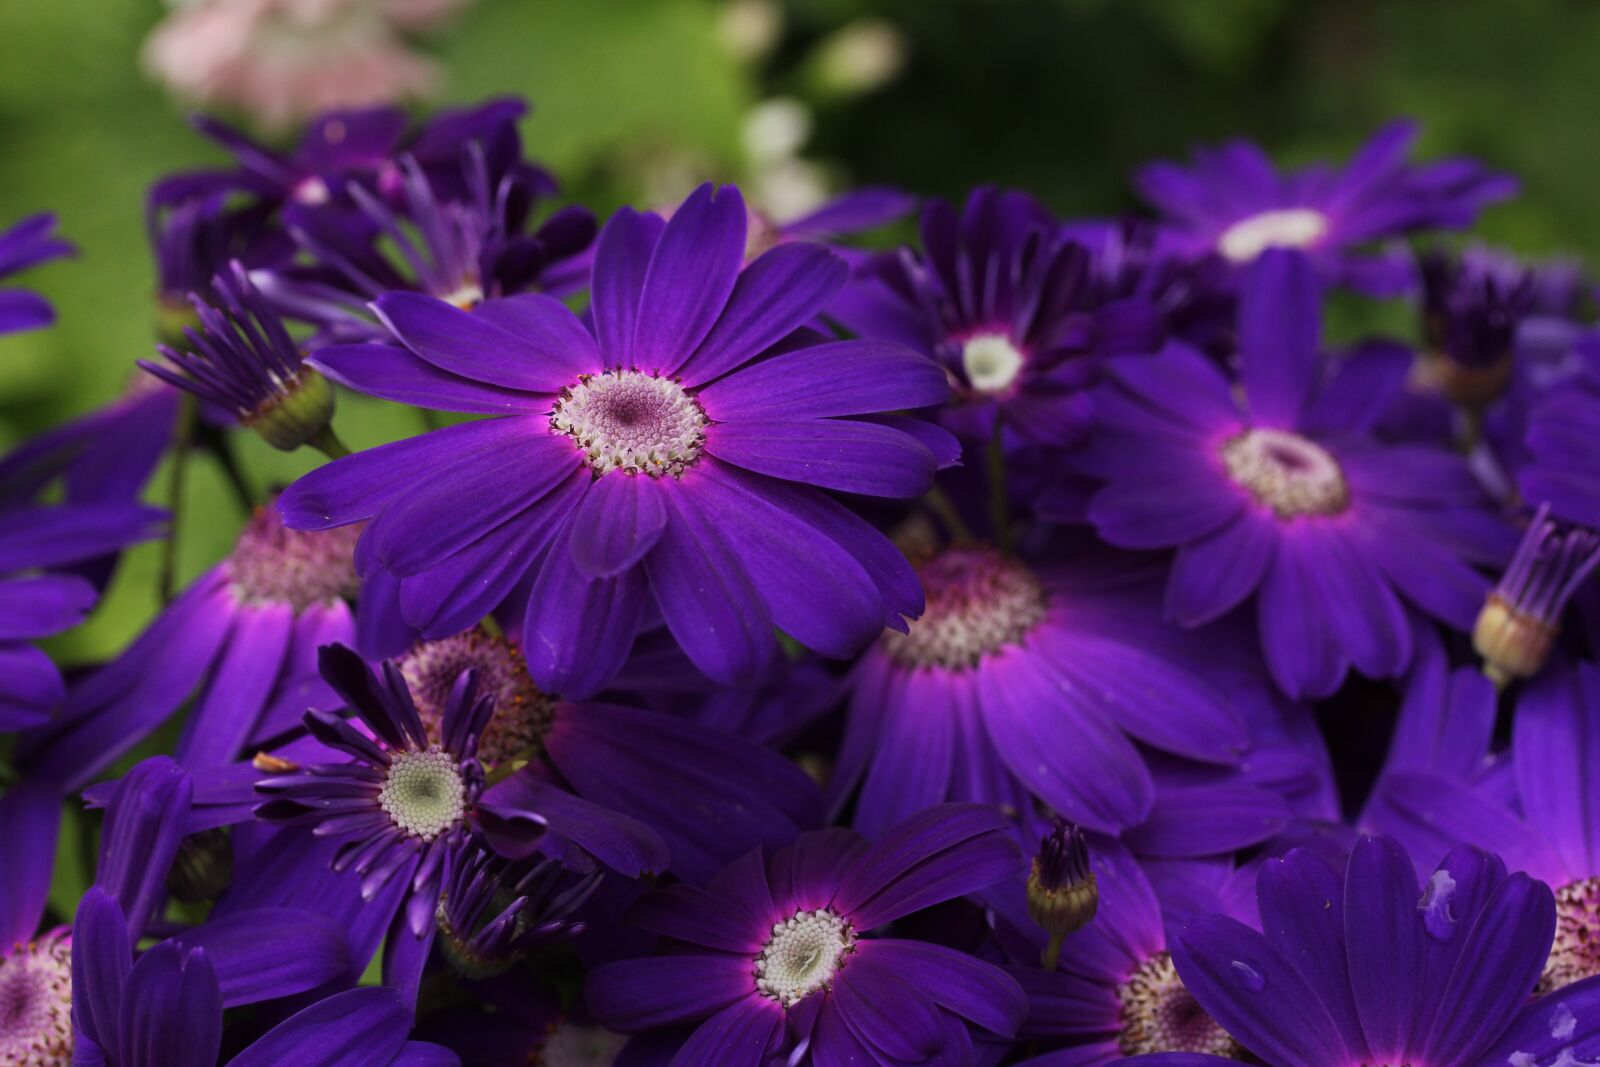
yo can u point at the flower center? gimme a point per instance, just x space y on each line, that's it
991 362
804 954
1575 955
36 1002
1293 227
1160 1015
423 792
1288 473
522 714
633 422
271 564
466 296
979 601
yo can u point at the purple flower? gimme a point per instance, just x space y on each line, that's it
1284 497
1004 303
26 244
1234 202
1372 967
165 1008
1023 679
242 640
653 459
492 910
1522 617
779 956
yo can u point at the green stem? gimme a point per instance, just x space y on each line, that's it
228 459
999 500
1052 952
175 479
430 419
938 501
327 442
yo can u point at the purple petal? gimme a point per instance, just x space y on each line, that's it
43 605
1384 943
740 1034
393 373
566 350
1161 511
102 956
843 378
842 454
622 257
171 1011
21 310
143 826
1565 1023
1558 760
643 994
977 991
30 814
1300 650
264 953
240 688
1280 332
860 209
30 688
691 276
523 801
1299 897
685 913
1213 575
1208 820
777 294
622 517
913 754
357 1028
477 348
886 1013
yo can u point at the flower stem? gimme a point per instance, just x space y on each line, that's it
175 479
999 499
938 501
327 442
220 445
1052 952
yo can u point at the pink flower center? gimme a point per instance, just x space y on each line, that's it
1160 1015
36 1002
1575 955
271 564
1290 474
979 601
632 422
522 714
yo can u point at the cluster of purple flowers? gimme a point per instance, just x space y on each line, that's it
1038 643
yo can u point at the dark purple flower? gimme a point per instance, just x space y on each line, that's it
654 459
779 958
493 910
1276 493
1023 679
241 640
1004 303
26 244
1234 202
1372 967
165 1007
243 360
613 765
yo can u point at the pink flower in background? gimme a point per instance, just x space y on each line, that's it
284 60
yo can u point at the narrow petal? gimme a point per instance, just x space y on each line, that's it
394 373
956 981
842 454
477 348
621 843
843 378
265 953
622 517
691 275
102 956
172 1010
644 994
1280 332
622 257
740 1034
364 1027
30 814
1383 941
1213 575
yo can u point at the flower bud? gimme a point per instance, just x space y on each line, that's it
1519 622
1063 895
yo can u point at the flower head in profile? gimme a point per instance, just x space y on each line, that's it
27 244
1276 492
671 454
1521 620
780 954
1233 202
1005 303
1371 966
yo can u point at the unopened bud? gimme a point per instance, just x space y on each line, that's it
1519 622
1063 895
298 415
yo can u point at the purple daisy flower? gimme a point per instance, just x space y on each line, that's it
1372 967
1004 303
165 1008
1285 499
615 763
1023 679
779 957
677 430
27 244
242 640
1234 202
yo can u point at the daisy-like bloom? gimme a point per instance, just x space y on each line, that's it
779 955
37 544
165 1007
617 762
1004 303
1275 492
241 640
1560 467
492 910
243 360
399 805
1234 203
1373 967
1522 617
284 60
672 454
1027 679
27 244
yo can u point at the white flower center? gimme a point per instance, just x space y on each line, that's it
633 422
978 602
36 1003
1160 1015
424 793
1290 474
804 954
272 564
466 296
1292 227
990 361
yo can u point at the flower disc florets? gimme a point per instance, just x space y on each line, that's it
802 956
522 713
1295 227
991 362
632 422
36 1003
978 602
272 564
1160 1015
1575 954
1292 475
424 792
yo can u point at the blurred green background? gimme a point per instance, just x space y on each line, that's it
637 99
